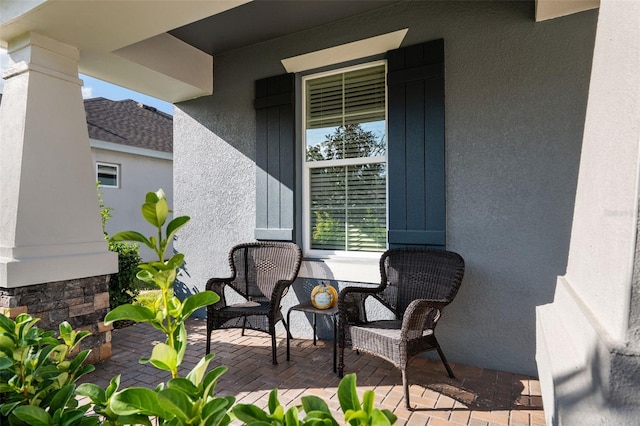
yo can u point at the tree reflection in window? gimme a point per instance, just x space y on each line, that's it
348 201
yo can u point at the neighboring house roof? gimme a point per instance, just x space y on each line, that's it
130 123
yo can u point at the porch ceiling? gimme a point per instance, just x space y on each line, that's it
165 48
262 20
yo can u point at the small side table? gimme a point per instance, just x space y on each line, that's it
309 308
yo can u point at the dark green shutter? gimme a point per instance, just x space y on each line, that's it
275 162
416 180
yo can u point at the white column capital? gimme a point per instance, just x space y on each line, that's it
35 52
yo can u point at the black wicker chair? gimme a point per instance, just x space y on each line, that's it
261 273
416 284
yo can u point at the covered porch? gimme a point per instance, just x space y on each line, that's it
542 154
478 396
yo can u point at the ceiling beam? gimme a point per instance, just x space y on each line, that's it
123 42
549 9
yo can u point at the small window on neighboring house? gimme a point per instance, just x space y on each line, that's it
345 178
108 175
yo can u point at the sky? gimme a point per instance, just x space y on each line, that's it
94 88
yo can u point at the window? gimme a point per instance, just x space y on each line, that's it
345 173
412 162
108 175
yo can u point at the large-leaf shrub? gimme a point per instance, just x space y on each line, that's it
124 286
38 376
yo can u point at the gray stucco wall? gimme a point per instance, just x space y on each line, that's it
516 94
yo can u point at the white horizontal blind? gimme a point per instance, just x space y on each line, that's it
349 98
348 207
346 144
107 175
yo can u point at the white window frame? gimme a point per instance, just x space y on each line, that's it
306 213
116 166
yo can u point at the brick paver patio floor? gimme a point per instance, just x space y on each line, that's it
477 397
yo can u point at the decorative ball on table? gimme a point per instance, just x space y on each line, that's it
324 296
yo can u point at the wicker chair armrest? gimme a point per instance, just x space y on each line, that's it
351 307
217 286
421 314
279 291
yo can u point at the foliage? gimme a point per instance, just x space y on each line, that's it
102 400
105 212
37 374
317 411
147 298
38 380
123 286
182 400
168 313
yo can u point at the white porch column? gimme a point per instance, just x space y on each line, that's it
588 339
50 226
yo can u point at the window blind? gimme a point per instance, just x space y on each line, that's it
346 144
348 207
107 175
353 97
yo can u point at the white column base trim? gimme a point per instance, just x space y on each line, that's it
586 377
30 271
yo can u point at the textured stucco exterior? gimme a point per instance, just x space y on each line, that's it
603 237
516 94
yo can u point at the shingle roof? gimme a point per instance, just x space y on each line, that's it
128 122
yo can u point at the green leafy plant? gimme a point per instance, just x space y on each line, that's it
317 411
105 211
168 313
147 298
124 286
102 400
37 374
182 400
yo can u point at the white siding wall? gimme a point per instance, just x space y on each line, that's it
138 175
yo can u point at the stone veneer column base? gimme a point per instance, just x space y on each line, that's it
83 302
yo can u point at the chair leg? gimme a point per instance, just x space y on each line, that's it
289 336
341 340
273 347
244 323
208 348
405 385
446 364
